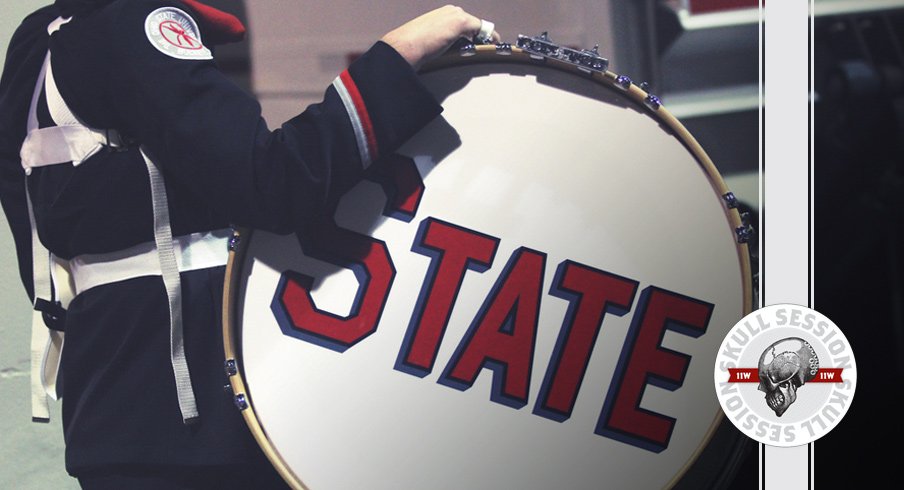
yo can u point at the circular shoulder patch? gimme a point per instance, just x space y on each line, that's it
174 33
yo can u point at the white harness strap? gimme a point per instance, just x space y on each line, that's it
46 345
193 252
163 237
72 141
60 144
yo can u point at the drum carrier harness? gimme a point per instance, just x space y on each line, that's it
72 141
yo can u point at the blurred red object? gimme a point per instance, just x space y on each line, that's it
709 6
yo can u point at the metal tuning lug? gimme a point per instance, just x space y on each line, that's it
744 233
504 49
467 50
234 241
540 47
652 101
240 402
230 367
730 200
623 82
588 60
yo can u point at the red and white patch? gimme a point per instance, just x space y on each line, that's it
174 33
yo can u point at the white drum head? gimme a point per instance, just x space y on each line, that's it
555 193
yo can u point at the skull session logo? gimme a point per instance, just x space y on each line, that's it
785 375
782 373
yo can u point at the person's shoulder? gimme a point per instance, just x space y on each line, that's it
130 29
144 5
128 14
127 9
35 22
39 16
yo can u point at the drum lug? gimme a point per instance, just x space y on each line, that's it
540 47
653 102
730 200
240 402
234 241
588 60
504 49
744 233
227 388
623 82
467 49
231 367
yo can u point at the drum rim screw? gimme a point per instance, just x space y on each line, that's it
744 233
234 241
231 367
653 102
730 200
240 402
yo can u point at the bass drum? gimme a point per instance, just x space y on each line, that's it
530 294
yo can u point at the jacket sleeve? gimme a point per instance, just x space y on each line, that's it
23 62
209 135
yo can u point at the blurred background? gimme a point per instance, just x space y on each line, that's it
702 58
858 130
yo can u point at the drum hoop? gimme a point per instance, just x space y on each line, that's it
238 249
480 54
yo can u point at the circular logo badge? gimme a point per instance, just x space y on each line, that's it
785 375
174 33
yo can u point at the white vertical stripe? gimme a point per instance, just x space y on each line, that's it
786 251
360 135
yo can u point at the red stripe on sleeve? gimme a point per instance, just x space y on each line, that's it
363 115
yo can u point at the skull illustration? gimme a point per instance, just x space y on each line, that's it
784 367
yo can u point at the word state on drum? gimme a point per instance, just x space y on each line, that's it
502 335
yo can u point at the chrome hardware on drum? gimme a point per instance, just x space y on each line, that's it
530 296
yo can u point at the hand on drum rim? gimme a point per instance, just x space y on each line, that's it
431 34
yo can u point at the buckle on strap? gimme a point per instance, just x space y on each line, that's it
116 141
53 313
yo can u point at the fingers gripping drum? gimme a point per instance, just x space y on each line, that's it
431 34
485 35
